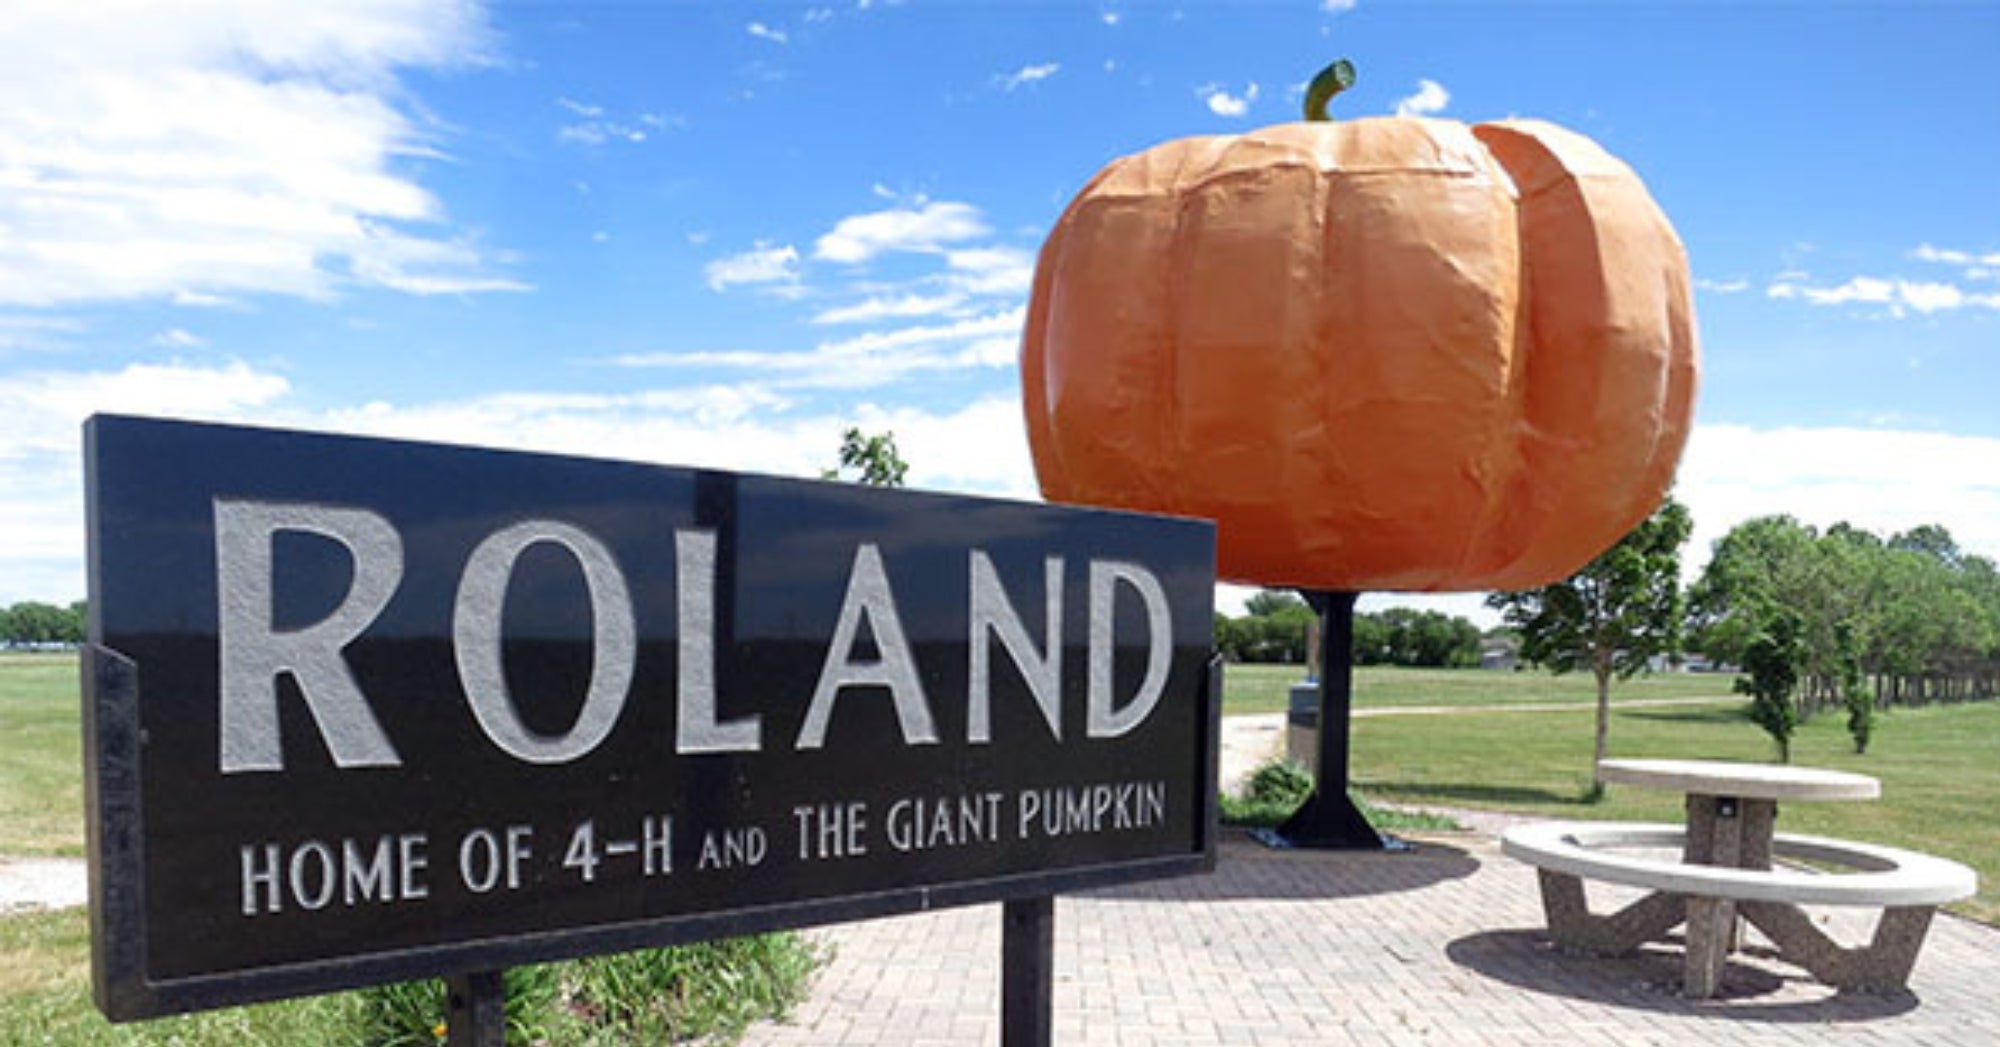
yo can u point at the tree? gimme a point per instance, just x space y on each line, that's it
1271 601
33 622
1612 616
1772 659
874 457
1854 692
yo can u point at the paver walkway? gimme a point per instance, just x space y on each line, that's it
1443 945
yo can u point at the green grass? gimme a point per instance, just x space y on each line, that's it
1939 768
45 999
1267 688
708 993
41 756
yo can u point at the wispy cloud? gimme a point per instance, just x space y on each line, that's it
867 360
254 150
1722 286
875 309
595 128
765 32
763 264
1431 97
1952 256
1222 103
929 227
1897 296
1334 7
978 446
991 270
1027 74
178 338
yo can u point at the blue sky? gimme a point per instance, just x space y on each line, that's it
718 234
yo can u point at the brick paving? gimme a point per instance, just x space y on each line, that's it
1443 945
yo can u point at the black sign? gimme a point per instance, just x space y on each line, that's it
361 710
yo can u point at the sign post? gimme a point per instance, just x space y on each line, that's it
363 711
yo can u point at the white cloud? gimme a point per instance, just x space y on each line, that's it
223 149
596 128
1952 256
1722 286
867 360
765 32
178 338
879 308
1110 18
1431 97
36 332
763 264
1881 480
977 447
41 483
991 270
1027 74
1901 297
1222 103
598 132
928 228
1334 7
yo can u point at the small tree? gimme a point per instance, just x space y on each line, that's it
1612 616
1855 693
1772 659
874 457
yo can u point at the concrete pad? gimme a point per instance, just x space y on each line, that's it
1443 945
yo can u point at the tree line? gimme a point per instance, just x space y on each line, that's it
1911 618
31 623
1275 626
1842 618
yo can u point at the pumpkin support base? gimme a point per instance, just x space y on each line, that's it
1328 820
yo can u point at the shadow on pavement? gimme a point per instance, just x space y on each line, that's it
1247 870
1650 981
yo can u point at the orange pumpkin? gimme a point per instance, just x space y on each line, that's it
1391 353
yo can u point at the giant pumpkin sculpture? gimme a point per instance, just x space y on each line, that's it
1392 353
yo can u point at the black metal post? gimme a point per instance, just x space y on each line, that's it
1027 971
1328 819
476 1010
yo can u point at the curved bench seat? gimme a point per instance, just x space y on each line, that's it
1906 886
1884 877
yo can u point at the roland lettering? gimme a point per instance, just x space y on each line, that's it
254 654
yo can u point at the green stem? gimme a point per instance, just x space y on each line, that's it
1331 81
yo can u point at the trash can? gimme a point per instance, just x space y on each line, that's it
1302 726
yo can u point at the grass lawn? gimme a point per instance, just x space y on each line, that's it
1267 688
41 756
1939 766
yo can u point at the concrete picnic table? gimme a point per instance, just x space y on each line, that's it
1732 808
1725 871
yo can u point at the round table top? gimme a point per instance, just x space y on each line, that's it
1762 781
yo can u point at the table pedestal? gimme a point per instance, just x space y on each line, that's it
1727 831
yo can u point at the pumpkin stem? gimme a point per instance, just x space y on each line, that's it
1331 81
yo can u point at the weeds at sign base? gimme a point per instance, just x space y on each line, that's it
708 989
